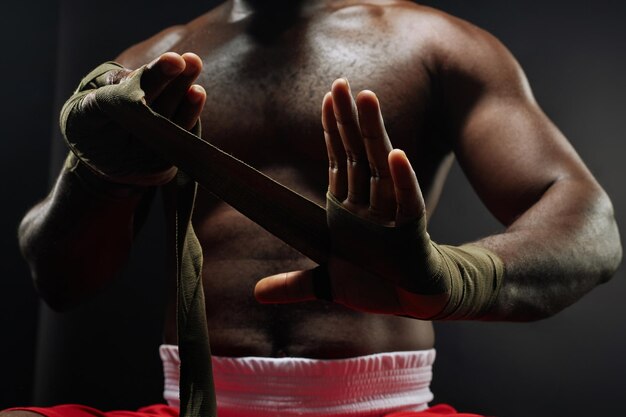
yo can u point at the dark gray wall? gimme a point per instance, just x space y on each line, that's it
49 45
27 67
572 364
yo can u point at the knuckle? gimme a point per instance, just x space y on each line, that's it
117 76
346 120
329 128
352 158
333 165
378 172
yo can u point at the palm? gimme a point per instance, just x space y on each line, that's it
375 192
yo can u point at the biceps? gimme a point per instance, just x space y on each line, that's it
512 153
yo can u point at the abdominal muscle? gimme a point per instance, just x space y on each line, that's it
237 253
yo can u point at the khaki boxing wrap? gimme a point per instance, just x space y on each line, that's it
197 390
96 185
471 275
124 160
98 142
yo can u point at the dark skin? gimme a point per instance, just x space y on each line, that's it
446 88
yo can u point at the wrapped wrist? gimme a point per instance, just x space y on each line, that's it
96 184
469 276
475 275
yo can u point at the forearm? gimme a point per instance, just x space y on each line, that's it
557 251
77 239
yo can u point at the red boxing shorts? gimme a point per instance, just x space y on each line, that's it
162 410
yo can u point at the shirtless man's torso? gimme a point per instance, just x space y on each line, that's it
263 106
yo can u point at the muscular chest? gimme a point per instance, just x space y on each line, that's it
264 98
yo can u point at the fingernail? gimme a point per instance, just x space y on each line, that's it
341 81
345 80
197 92
170 68
152 63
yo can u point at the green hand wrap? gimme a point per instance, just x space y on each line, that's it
197 391
103 146
471 275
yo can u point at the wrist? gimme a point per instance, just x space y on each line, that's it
98 185
475 276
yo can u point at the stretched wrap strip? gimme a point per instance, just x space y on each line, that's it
289 216
471 274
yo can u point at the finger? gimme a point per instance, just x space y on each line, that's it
337 176
410 202
175 91
377 146
348 126
190 108
314 284
159 73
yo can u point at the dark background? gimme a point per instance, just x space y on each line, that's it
570 365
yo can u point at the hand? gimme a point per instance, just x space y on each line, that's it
115 154
378 185
168 82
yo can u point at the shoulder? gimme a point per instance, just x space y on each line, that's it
445 45
149 49
458 52
443 42
467 65
166 40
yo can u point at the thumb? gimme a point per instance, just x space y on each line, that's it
293 287
408 194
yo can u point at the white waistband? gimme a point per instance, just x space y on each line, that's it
365 386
